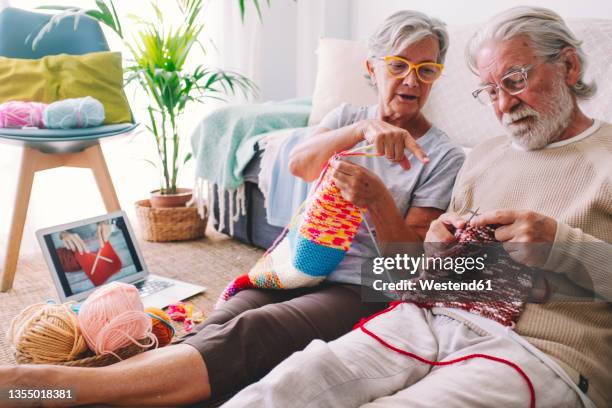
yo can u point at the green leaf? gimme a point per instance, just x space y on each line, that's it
188 157
104 8
157 11
242 10
119 29
151 162
256 2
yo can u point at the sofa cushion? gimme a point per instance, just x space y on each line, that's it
341 77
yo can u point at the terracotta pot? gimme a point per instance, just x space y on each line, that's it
180 199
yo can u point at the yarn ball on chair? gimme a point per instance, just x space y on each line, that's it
46 334
74 113
162 328
113 317
18 114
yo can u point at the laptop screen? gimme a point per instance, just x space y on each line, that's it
93 254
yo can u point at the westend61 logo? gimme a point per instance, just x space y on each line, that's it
412 265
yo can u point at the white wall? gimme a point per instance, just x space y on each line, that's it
289 39
317 18
367 14
278 52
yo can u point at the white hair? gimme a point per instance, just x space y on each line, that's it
405 28
548 35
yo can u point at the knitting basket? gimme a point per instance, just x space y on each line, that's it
92 360
170 224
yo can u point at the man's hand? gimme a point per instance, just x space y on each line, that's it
390 141
442 229
73 242
356 183
527 235
440 235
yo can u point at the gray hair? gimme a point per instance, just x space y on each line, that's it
547 33
405 28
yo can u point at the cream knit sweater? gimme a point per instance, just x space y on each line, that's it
570 181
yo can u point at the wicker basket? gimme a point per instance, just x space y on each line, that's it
170 224
92 360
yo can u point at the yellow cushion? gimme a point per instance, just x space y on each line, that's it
57 77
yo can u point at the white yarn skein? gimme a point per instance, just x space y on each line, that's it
74 113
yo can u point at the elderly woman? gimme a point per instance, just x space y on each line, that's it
406 192
403 192
257 329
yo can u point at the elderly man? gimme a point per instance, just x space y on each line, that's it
546 182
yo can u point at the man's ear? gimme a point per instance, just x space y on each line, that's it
571 65
370 70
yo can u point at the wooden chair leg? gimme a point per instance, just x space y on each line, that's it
100 171
32 161
20 210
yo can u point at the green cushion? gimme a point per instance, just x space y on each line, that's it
63 76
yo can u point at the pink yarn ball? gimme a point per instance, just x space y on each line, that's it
17 114
113 317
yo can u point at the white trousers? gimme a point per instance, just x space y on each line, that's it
356 370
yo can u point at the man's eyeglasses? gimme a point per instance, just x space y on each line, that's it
399 67
513 83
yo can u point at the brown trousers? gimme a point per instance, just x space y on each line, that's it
257 329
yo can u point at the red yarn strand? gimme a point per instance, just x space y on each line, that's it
393 305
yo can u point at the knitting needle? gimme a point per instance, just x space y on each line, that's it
474 213
378 251
98 256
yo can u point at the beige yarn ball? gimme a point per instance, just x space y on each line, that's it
46 334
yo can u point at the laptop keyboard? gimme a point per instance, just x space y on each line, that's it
150 286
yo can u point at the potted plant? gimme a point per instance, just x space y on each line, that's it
158 65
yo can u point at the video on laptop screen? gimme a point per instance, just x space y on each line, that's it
92 255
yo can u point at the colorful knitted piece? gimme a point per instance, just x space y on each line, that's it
511 282
310 251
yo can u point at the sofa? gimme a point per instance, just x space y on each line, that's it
451 106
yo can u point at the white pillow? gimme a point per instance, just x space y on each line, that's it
341 77
451 106
597 37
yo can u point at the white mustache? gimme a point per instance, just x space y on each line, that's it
509 118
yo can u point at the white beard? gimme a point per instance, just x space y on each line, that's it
542 128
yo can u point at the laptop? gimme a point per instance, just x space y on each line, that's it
87 254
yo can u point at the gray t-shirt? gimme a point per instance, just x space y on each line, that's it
427 185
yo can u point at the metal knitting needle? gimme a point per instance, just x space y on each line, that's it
474 213
378 251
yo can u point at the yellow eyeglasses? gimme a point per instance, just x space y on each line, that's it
399 67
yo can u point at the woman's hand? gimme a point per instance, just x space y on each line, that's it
357 184
103 232
73 242
390 141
